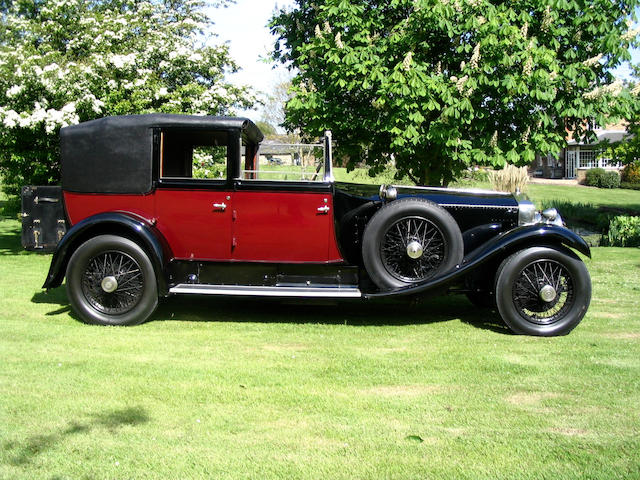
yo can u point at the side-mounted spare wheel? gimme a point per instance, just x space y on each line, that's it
543 291
409 241
111 281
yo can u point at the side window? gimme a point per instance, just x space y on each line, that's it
196 154
283 162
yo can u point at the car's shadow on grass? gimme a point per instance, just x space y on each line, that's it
345 312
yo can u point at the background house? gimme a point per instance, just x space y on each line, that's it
580 156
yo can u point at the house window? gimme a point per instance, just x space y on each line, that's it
588 159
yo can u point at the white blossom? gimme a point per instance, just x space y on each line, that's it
592 61
460 83
406 63
121 61
631 34
475 56
493 143
592 94
527 69
546 19
15 90
10 118
614 88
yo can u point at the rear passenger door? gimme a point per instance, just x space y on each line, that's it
193 201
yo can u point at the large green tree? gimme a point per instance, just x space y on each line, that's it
628 150
437 85
67 61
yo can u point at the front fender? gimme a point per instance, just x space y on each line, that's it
136 227
516 239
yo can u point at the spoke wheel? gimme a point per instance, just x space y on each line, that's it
408 241
111 281
97 280
543 291
412 249
529 292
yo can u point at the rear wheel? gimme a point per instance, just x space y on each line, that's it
543 291
111 281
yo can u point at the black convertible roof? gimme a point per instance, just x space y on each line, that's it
114 154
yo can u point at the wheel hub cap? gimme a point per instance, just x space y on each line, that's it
414 250
109 284
548 293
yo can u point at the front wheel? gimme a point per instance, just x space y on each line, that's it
111 281
543 291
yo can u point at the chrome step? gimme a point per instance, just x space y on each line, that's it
262 291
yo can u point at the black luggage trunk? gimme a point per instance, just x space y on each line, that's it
43 219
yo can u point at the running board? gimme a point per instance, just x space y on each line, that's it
262 291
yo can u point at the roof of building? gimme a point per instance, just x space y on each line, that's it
604 136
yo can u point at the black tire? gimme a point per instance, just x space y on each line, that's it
102 259
520 281
385 246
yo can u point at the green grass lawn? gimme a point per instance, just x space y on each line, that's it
598 197
219 388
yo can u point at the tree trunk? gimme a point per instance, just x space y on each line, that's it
431 173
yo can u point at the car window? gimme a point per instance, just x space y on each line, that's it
283 162
199 155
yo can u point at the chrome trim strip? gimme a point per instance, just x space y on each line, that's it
455 190
262 291
464 205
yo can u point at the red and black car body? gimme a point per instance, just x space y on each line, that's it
136 224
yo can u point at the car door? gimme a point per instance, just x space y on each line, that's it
193 201
283 222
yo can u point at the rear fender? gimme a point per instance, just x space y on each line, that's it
499 247
126 224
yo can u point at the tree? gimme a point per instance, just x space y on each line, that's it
266 128
274 103
67 61
627 151
438 85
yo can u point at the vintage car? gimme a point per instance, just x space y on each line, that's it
138 216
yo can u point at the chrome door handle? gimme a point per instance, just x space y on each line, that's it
220 206
324 209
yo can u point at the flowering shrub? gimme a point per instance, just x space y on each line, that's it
631 173
66 61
